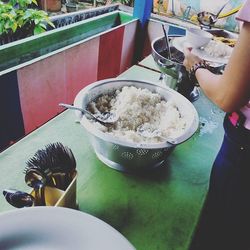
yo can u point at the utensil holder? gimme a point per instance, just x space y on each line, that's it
60 198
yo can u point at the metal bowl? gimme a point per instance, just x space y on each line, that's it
162 59
178 76
129 156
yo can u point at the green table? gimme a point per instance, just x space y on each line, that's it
156 211
148 62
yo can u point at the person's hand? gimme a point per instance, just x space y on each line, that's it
190 59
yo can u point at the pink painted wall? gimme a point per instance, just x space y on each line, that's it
81 67
58 78
41 87
154 30
128 47
110 54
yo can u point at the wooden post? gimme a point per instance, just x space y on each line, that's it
142 10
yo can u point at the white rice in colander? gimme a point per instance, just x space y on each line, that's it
136 107
218 49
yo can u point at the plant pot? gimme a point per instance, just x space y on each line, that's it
71 7
51 5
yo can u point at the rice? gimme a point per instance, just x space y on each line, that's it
218 49
137 107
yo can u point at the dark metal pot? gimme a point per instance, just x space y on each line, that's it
173 67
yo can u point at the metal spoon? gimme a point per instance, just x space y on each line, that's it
151 133
209 19
167 41
105 118
18 198
35 179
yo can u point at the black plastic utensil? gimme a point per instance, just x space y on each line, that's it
35 179
18 198
167 42
54 166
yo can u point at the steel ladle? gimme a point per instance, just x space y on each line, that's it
165 31
207 18
105 118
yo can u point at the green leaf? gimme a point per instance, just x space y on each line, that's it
43 26
51 24
1 28
22 16
38 30
14 26
27 15
6 16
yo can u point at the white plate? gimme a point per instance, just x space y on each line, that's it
57 228
180 42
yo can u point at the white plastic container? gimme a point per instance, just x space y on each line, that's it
197 38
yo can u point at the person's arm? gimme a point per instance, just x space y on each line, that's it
229 91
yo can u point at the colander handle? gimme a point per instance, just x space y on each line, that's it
167 66
171 141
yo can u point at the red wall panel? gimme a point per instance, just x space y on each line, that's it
41 87
128 46
81 66
58 78
110 53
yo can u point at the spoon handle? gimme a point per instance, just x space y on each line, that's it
40 196
167 41
68 106
223 6
101 118
18 199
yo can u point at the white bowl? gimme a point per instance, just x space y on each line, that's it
197 38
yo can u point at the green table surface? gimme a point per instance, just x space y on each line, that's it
158 211
148 62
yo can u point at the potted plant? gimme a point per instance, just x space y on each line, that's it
71 6
19 19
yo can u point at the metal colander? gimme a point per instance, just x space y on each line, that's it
129 156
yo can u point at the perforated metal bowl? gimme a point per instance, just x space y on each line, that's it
129 156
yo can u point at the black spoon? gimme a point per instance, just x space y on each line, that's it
18 198
35 179
167 42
